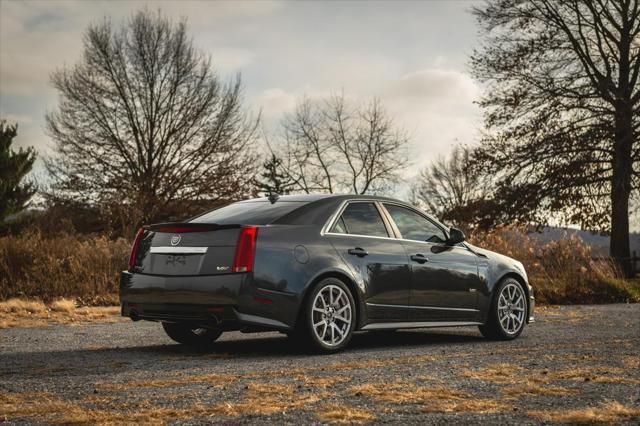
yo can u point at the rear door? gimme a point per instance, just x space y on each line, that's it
444 279
364 240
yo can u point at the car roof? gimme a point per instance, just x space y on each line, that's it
315 197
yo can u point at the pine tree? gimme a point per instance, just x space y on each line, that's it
273 181
14 166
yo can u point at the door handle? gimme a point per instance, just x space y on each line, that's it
360 252
420 258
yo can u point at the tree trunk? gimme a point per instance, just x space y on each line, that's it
621 189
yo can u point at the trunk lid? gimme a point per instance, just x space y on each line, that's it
187 249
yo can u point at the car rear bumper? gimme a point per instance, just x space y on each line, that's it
228 301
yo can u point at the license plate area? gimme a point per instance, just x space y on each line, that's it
176 263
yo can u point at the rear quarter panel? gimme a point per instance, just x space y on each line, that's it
287 261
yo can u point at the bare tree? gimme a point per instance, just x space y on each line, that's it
330 146
143 122
450 189
563 109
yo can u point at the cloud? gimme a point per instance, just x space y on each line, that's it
435 86
38 37
435 106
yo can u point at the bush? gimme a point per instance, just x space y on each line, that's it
562 271
82 267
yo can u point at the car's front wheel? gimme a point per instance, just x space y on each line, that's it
189 335
508 311
328 317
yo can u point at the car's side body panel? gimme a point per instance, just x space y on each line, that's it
383 272
445 285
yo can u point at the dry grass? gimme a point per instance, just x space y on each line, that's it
321 382
63 305
562 271
438 399
535 389
596 374
33 313
215 380
529 381
260 399
269 398
632 361
407 393
29 405
608 412
50 409
476 406
67 266
343 414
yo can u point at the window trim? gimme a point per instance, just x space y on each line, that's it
419 213
391 234
388 221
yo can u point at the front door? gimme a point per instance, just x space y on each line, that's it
444 281
377 260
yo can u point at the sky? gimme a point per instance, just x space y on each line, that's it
412 55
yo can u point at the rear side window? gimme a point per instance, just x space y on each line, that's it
360 219
249 213
413 226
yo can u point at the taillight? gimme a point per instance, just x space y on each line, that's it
134 249
245 249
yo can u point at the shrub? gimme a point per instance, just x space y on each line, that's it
562 271
82 267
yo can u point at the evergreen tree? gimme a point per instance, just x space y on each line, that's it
14 166
273 180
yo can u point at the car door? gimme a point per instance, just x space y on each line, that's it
363 237
444 279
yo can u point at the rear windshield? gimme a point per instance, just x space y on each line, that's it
249 213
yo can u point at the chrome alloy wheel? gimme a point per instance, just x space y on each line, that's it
511 308
331 315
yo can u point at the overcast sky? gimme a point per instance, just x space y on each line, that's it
413 55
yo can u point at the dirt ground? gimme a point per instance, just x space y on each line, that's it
574 365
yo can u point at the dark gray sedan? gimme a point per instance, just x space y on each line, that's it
319 267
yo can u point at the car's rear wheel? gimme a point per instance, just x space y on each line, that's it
328 317
508 312
190 335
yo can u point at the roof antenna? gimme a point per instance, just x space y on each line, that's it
273 197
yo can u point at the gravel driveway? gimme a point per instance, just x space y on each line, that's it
575 364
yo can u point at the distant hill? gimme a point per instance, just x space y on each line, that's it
599 243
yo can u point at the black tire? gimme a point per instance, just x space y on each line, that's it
304 331
493 328
189 335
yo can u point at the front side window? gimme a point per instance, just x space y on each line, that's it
413 226
360 219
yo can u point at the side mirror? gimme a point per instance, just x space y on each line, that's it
456 236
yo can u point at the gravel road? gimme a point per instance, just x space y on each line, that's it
574 364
